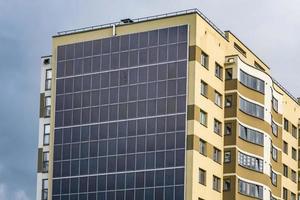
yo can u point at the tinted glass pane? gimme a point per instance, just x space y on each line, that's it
123 111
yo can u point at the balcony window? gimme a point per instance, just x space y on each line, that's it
274 153
227 185
228 128
252 82
228 74
251 108
46 139
228 101
250 189
275 104
45 161
273 178
227 157
48 79
44 189
250 162
47 106
251 135
274 128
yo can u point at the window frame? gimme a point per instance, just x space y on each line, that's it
45 161
218 99
204 60
228 74
48 80
47 107
218 71
203 88
227 156
46 135
228 101
217 155
203 121
203 147
218 128
202 176
216 183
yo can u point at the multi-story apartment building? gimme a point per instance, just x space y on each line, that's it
165 107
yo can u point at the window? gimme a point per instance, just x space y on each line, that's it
294 153
46 139
47 106
46 61
285 171
258 66
202 147
285 147
293 176
218 99
274 128
228 128
250 189
293 196
217 155
251 108
44 189
271 197
204 88
228 101
250 162
274 153
48 79
216 183
251 135
204 60
285 194
294 131
217 126
203 117
227 185
252 82
273 178
228 74
239 49
227 157
202 176
219 71
286 124
45 161
275 104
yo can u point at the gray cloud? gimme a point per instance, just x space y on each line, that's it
269 27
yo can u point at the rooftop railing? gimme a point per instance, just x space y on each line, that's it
143 19
285 90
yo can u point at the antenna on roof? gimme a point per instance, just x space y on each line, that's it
127 21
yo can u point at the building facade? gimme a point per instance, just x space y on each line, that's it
165 107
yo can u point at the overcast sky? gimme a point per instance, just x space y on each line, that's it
271 28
